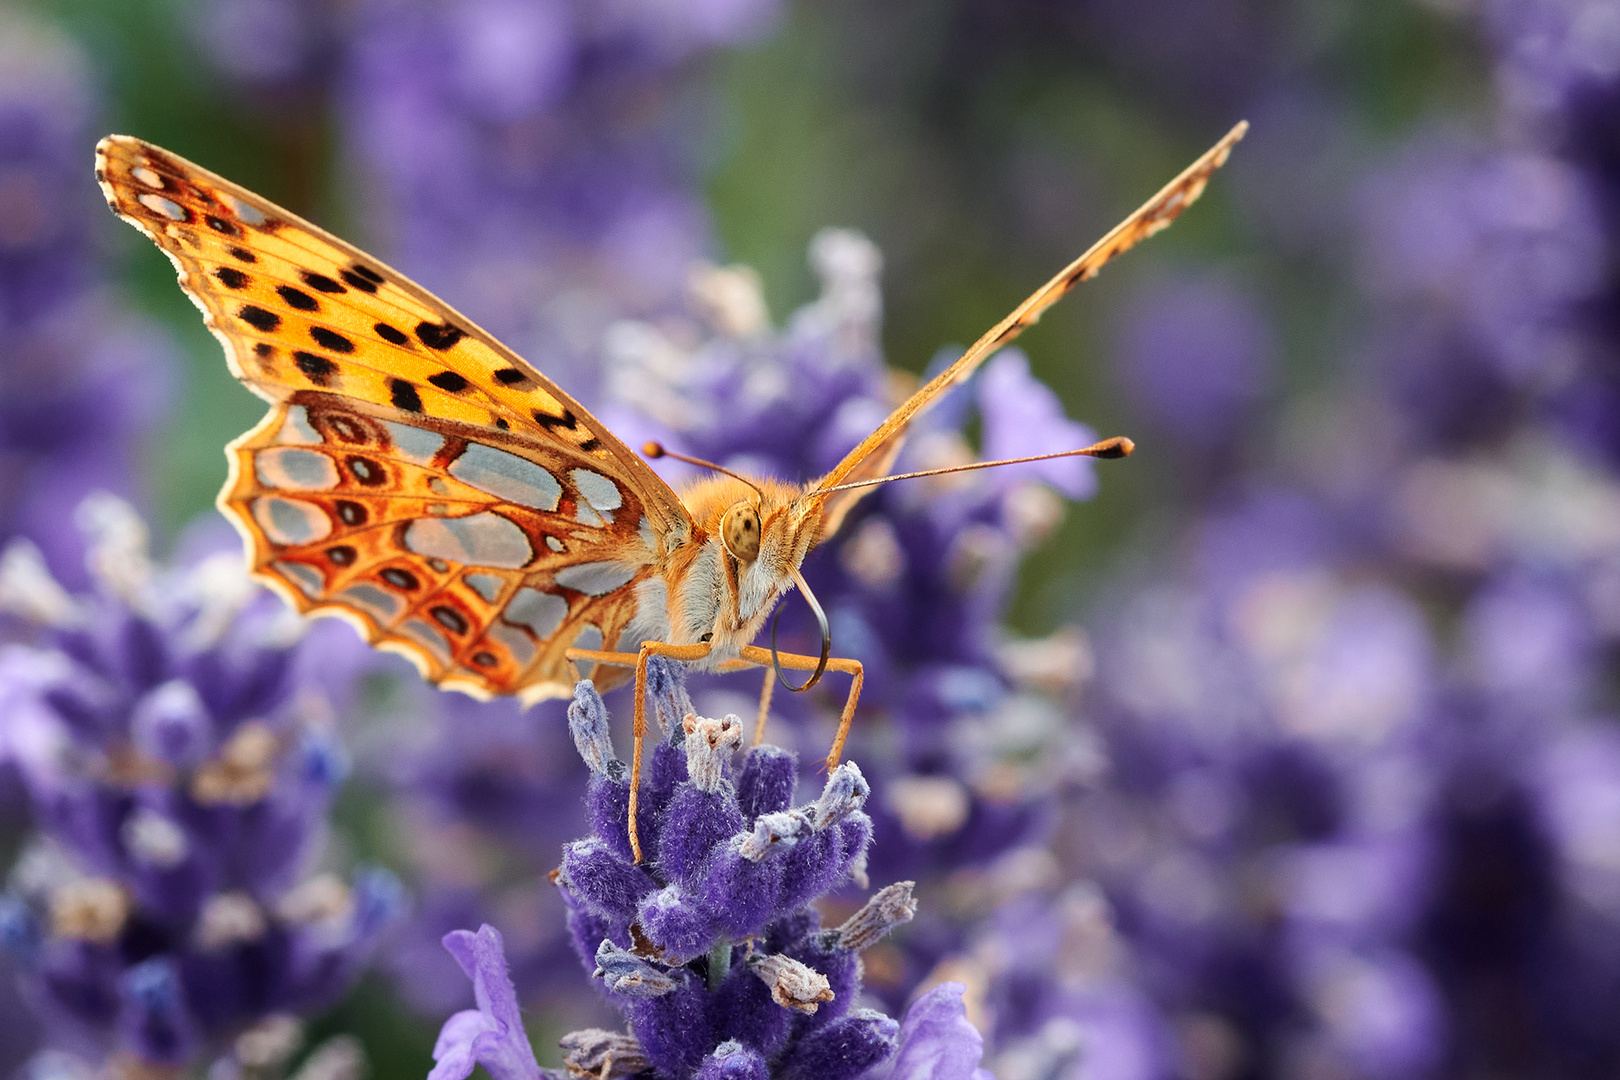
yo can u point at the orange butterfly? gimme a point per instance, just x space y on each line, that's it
420 479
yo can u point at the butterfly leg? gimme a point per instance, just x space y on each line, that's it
637 660
795 662
764 705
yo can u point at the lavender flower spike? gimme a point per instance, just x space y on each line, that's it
492 1034
711 951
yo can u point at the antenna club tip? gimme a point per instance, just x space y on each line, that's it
1117 447
652 449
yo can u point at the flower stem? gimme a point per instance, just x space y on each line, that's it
719 964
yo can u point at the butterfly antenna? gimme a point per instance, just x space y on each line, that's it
1117 447
656 450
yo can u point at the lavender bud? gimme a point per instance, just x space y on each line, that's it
666 689
153 1018
603 1054
625 973
598 876
845 793
709 744
889 907
28 590
774 832
19 930
732 1060
794 985
588 723
151 839
91 910
171 725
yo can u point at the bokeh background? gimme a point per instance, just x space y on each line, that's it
1288 750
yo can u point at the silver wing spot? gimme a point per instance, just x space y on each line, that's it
291 521
485 539
292 468
594 578
540 612
507 476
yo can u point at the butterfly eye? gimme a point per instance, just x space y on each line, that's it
740 530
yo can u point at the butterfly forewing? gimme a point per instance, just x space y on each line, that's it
415 474
1155 214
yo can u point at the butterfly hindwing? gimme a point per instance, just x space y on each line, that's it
480 561
414 474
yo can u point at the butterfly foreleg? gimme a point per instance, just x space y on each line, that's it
796 662
637 660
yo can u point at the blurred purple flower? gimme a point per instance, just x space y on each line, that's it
1195 355
534 160
179 759
80 380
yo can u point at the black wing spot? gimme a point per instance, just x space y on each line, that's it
352 513
391 335
331 339
449 618
366 472
242 254
258 318
511 376
404 395
368 273
220 225
231 277
341 555
319 369
439 336
262 349
400 579
355 281
591 444
297 298
502 424
484 659
567 420
321 283
448 380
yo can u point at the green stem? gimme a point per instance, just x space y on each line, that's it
719 964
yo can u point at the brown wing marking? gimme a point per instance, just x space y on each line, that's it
350 514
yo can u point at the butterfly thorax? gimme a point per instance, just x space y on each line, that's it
710 590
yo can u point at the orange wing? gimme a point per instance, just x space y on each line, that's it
1157 213
415 475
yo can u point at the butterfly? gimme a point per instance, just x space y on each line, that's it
421 480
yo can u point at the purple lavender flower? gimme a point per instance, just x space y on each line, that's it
179 762
485 789
79 379
709 949
534 159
